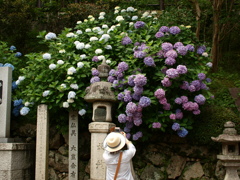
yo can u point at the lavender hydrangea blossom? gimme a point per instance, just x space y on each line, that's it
122 66
172 73
149 61
171 53
166 46
130 80
94 79
200 99
140 80
177 44
190 47
156 125
182 132
201 76
182 50
182 69
138 90
201 49
139 24
159 34
170 61
159 93
95 59
122 118
166 82
174 30
175 126
139 54
164 29
126 40
144 101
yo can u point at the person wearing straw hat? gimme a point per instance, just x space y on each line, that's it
117 157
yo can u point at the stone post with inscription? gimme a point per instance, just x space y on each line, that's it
17 158
73 146
100 94
42 143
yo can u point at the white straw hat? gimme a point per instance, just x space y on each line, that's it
114 142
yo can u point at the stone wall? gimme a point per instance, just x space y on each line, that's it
167 157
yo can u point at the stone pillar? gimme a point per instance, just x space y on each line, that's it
42 144
5 103
17 161
99 132
73 146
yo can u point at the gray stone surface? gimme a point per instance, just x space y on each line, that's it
42 144
5 101
17 161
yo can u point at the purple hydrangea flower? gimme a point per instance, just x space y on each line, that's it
175 126
159 34
137 121
131 107
204 86
136 96
208 80
139 24
111 79
127 97
172 116
163 100
156 125
177 44
126 40
95 59
200 99
201 49
138 90
159 93
139 54
167 106
122 118
115 83
196 84
122 66
167 46
197 112
171 53
144 101
172 73
95 72
190 47
192 88
94 79
140 80
130 80
178 100
184 99
190 106
161 54
149 61
182 132
182 50
201 76
170 61
184 85
166 82
181 69
129 124
127 130
164 29
179 115
120 96
174 30
112 72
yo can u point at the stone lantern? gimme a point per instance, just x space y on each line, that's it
230 150
100 94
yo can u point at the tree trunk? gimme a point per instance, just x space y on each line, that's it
217 4
198 16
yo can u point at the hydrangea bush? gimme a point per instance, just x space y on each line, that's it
158 72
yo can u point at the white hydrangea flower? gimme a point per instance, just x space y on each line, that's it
45 93
87 46
123 10
21 78
62 51
46 56
117 8
205 54
70 100
104 26
131 24
71 70
76 42
92 19
188 27
101 17
101 57
154 12
85 20
102 14
63 86
108 61
105 37
119 18
209 64
17 82
96 29
134 18
65 104
82 112
130 9
74 86
93 38
71 34
71 95
109 47
79 22
80 64
90 16
50 36
145 14
52 66
27 104
60 61
100 32
24 111
88 30
118 25
98 51
116 11
79 32
83 56
80 46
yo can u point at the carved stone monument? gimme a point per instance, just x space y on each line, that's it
230 150
73 146
100 94
42 144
